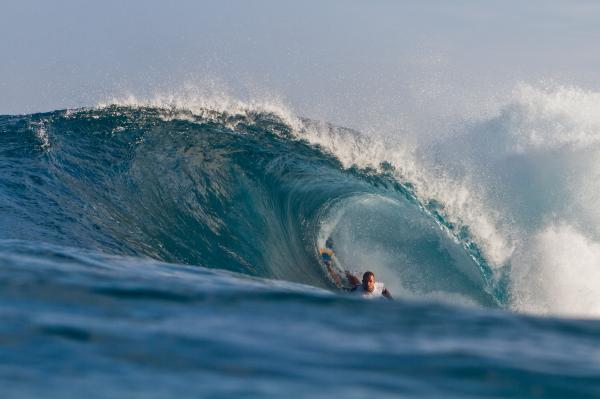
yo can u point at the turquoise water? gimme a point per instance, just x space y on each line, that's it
152 252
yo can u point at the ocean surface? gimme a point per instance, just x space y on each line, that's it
153 251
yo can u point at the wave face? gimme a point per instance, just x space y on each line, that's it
237 192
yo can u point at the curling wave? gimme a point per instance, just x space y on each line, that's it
240 190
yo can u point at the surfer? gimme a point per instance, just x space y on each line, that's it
368 288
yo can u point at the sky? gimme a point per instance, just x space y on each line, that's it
355 63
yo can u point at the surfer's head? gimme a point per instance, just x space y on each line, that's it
368 281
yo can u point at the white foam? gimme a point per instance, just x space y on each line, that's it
206 103
542 147
42 134
557 271
553 117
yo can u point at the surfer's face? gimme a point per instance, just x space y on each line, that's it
369 283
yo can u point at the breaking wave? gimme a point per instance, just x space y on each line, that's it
500 212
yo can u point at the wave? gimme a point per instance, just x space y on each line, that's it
488 213
242 191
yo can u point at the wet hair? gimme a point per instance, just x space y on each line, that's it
367 275
329 243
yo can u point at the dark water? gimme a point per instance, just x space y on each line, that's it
155 254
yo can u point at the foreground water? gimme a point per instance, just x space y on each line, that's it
156 253
80 323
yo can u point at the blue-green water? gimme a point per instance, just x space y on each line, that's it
153 254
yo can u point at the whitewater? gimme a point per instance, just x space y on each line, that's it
169 247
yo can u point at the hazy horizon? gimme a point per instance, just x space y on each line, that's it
348 62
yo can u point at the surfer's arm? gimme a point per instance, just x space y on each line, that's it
336 278
386 293
352 279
